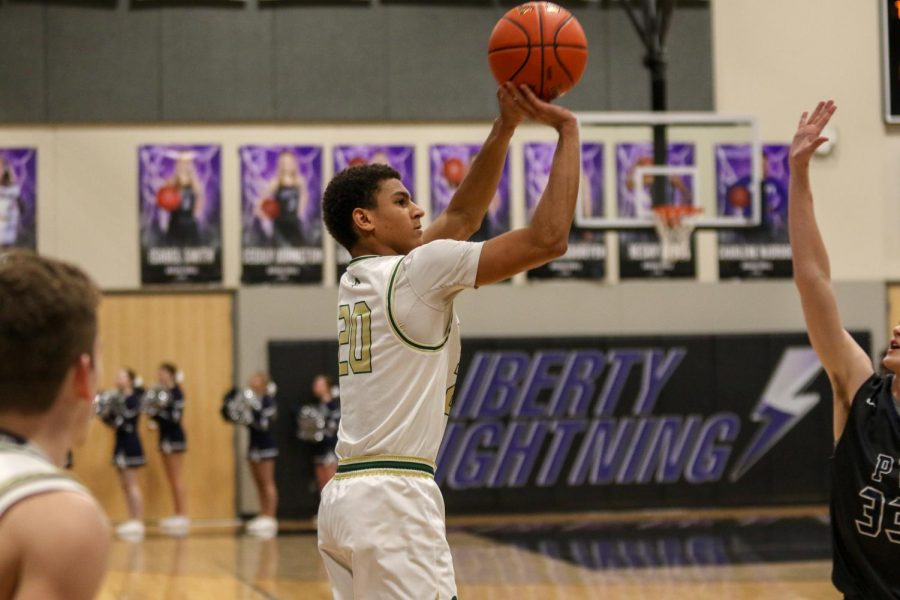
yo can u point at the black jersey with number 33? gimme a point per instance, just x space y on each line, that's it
865 496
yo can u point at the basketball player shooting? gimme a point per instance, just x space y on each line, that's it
381 519
865 495
54 537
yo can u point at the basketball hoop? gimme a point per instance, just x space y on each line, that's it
674 225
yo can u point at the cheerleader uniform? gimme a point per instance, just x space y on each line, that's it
323 452
129 453
171 435
262 442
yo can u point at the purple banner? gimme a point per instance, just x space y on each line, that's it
586 256
18 197
281 214
449 165
639 251
402 158
180 213
763 252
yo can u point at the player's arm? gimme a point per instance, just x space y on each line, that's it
846 363
470 203
64 541
546 236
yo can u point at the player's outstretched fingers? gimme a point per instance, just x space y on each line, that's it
520 100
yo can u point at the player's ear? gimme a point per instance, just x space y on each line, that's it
362 219
82 377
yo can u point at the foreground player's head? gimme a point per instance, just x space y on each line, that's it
891 360
49 358
368 210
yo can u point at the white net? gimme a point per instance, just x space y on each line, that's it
674 226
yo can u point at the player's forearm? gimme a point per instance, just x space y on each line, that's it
472 199
810 257
553 215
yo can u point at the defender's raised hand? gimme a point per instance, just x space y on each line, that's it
809 133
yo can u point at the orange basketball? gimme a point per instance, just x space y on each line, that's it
168 198
739 196
270 208
541 45
454 171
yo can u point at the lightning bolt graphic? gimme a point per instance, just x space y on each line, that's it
781 405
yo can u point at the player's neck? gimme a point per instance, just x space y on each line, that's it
47 431
371 247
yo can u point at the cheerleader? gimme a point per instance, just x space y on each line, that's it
172 445
261 454
324 457
128 454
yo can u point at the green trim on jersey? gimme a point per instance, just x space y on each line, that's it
386 464
363 257
396 328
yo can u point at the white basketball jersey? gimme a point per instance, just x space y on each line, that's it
25 472
399 348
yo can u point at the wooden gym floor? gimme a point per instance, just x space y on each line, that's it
740 554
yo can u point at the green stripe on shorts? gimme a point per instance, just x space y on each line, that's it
385 464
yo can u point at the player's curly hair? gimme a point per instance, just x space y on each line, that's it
350 189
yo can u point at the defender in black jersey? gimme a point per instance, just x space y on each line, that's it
865 495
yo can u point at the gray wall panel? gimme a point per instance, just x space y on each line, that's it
103 64
22 94
438 62
306 62
217 64
593 91
331 63
629 81
690 60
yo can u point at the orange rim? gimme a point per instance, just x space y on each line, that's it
672 214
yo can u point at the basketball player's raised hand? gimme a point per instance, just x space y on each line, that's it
809 133
511 112
540 111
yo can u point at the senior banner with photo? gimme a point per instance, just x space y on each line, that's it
180 213
449 165
401 158
281 200
18 198
764 251
586 256
640 253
